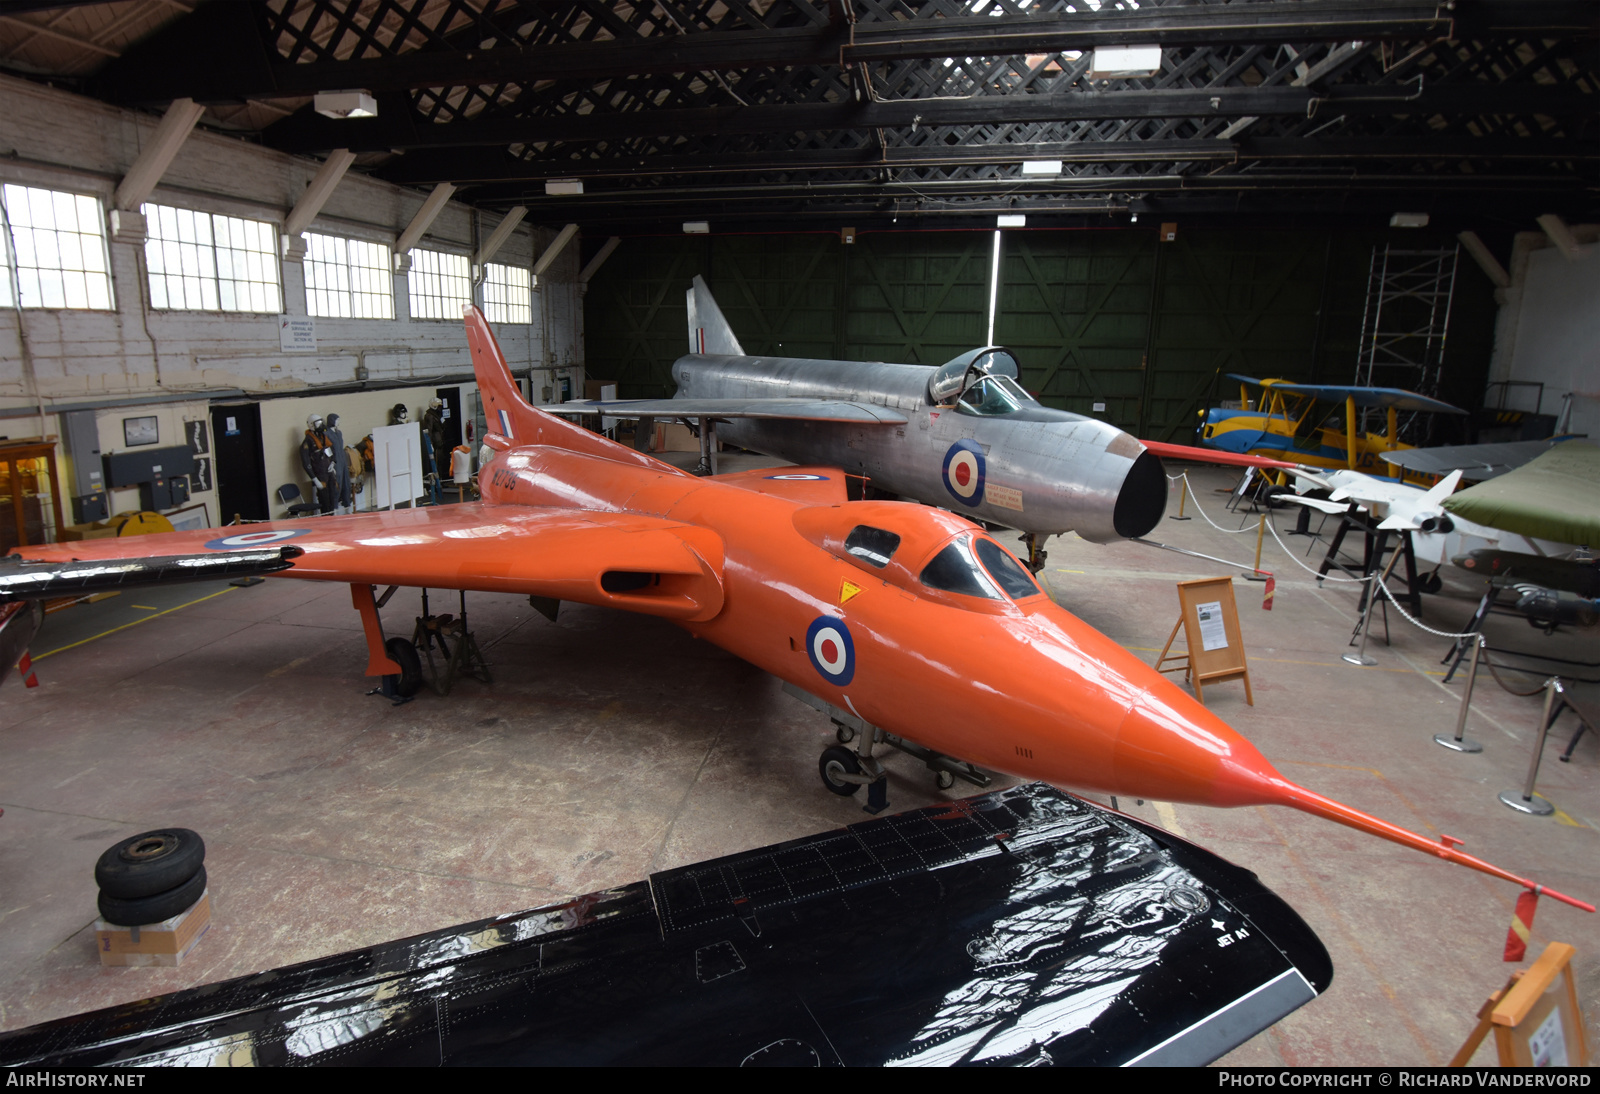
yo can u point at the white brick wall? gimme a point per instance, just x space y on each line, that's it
54 139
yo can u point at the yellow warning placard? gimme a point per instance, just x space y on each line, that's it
847 589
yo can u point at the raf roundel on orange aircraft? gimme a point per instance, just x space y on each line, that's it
962 652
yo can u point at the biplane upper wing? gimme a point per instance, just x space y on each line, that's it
1399 398
624 560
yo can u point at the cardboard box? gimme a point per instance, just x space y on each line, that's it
165 944
594 389
672 437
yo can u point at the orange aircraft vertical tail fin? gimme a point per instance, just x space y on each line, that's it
510 417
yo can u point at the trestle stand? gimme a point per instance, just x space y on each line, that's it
457 647
1526 802
1460 743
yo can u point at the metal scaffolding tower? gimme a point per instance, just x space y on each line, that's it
1406 318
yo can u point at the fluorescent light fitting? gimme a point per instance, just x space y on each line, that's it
563 187
1041 167
1124 62
1011 220
1409 220
696 227
346 104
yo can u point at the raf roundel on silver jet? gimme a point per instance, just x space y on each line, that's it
963 435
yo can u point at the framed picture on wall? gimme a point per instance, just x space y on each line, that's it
200 477
190 517
137 431
198 436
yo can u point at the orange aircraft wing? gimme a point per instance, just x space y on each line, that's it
624 560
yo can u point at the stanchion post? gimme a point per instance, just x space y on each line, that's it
1460 743
1526 802
1360 657
1183 496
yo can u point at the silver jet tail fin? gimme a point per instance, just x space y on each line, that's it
708 330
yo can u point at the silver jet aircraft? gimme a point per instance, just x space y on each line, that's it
963 435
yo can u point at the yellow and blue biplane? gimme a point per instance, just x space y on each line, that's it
1318 425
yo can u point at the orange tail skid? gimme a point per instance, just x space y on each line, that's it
1311 802
512 423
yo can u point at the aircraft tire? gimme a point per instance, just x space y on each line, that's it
1432 584
149 863
404 654
836 761
155 908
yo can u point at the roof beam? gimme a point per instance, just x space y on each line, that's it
599 259
432 206
1561 236
501 233
308 132
316 196
1485 258
151 75
173 129
553 252
470 166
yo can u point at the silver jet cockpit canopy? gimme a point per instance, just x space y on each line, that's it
950 379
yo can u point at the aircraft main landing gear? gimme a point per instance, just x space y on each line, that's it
844 771
1036 553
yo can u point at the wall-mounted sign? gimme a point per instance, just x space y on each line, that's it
297 333
199 437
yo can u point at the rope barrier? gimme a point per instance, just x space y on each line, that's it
1381 587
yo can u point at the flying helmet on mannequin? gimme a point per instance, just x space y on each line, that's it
314 423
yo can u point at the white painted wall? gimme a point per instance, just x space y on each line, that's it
1549 328
54 139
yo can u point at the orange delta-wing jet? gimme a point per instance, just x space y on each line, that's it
907 618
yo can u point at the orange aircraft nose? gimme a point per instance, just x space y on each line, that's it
1171 746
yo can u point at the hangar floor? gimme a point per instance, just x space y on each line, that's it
610 746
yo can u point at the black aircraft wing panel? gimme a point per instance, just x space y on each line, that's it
812 410
1020 926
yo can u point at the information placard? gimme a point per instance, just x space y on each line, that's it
1215 649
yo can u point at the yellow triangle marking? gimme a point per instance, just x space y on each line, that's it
847 589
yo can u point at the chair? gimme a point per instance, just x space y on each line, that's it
289 494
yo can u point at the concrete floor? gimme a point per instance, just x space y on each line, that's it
610 746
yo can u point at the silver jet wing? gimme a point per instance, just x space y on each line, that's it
1478 462
814 410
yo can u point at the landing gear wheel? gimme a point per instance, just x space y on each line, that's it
150 863
844 733
404 654
153 909
838 761
943 779
1432 584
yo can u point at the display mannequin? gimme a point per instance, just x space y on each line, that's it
342 498
317 460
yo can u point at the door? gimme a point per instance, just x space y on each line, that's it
241 470
451 398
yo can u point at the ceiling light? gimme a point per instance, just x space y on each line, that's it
1409 220
346 104
1125 62
1041 167
563 187
696 227
1011 220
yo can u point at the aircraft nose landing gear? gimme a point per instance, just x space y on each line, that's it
1036 552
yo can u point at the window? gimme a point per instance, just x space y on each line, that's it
441 285
59 244
209 262
507 294
874 546
348 278
954 570
1005 569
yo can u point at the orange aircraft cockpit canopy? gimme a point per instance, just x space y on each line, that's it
927 552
